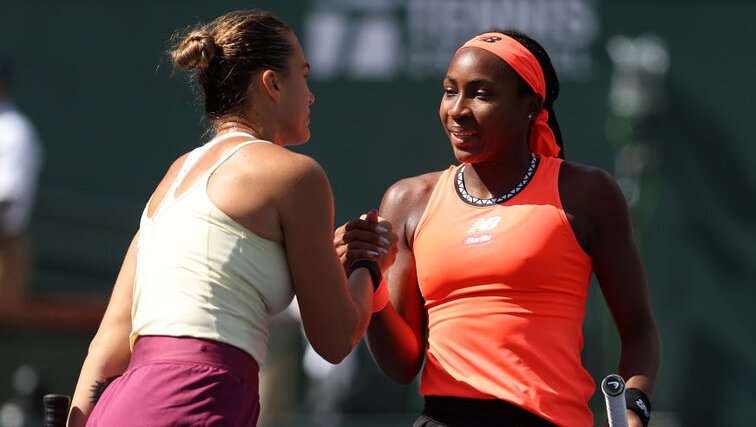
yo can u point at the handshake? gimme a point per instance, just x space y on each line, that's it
368 237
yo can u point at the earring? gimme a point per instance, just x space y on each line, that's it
530 115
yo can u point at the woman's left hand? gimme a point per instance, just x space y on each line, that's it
367 237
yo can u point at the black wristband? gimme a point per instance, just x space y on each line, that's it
638 402
373 268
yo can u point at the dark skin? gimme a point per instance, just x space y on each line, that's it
486 118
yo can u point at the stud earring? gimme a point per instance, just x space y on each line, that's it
530 115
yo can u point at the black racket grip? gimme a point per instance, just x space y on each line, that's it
56 409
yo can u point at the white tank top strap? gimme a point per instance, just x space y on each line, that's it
197 153
230 153
192 159
170 195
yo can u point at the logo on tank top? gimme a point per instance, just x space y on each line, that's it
477 233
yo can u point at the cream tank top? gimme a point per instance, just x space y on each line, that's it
201 274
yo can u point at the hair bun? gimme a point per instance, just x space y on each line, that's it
195 51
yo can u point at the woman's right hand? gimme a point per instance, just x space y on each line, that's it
367 237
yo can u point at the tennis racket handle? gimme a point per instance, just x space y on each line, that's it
613 387
56 409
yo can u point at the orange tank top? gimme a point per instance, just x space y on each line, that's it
505 283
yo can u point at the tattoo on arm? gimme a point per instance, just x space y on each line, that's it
99 387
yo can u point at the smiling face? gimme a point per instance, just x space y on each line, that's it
483 110
294 108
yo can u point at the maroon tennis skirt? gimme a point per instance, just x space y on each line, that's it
182 382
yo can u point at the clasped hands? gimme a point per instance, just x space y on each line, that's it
367 237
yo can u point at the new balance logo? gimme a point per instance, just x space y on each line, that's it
489 39
478 231
484 224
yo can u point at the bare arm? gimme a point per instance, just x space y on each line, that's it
109 351
335 311
396 336
609 240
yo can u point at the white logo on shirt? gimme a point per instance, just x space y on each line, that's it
478 237
484 224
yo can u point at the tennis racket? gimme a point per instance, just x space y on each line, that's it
613 387
56 409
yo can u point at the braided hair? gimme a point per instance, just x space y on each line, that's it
549 75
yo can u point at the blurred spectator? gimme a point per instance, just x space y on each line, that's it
20 158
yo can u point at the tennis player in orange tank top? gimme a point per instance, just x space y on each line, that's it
513 273
495 256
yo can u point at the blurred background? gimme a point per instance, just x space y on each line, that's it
658 92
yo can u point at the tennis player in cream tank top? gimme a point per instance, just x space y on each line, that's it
235 229
223 281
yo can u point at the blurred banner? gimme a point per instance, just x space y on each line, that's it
659 93
384 40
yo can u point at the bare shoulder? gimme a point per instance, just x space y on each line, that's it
578 174
296 169
589 188
174 169
279 166
165 183
405 201
592 201
412 190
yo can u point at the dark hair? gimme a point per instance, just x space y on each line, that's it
226 53
549 75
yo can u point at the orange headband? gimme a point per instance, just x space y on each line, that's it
518 57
